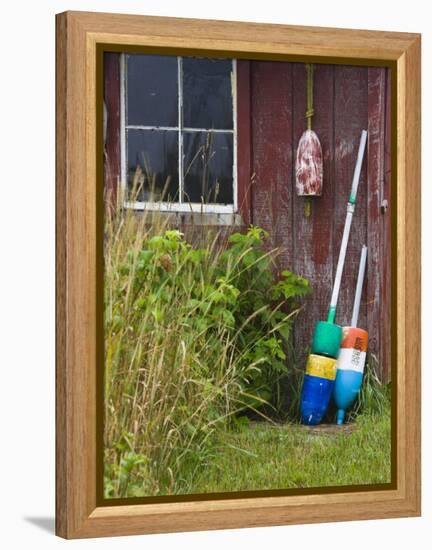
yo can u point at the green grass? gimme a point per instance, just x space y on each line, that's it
260 455
292 456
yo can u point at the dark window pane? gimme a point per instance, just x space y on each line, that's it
152 164
152 90
207 98
208 167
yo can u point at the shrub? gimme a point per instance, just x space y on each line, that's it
192 337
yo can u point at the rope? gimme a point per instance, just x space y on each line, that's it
309 107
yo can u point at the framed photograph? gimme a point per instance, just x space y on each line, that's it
238 274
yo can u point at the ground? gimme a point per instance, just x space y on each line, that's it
264 456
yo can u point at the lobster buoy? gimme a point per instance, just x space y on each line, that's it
350 368
309 165
309 157
352 354
318 385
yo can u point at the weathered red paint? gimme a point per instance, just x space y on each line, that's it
350 118
112 142
375 166
244 166
272 153
347 99
386 256
313 245
271 107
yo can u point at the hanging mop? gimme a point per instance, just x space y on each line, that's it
352 354
320 373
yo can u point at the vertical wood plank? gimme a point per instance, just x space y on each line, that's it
312 235
272 153
386 279
376 260
244 167
112 140
350 118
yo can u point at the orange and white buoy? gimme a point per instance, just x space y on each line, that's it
352 354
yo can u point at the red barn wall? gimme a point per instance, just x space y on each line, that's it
270 114
347 99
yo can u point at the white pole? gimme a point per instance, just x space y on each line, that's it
357 169
347 228
359 287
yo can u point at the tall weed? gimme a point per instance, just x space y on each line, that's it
193 335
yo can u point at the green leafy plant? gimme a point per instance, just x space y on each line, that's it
195 334
264 311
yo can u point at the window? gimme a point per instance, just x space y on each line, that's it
178 132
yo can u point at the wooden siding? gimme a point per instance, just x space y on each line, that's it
346 100
270 117
112 139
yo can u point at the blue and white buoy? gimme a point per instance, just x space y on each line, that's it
352 354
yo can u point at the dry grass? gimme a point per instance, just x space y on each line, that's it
176 365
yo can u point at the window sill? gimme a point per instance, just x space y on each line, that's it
193 218
185 208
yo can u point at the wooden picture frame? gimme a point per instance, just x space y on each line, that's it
81 38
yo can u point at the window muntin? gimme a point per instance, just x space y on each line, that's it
181 167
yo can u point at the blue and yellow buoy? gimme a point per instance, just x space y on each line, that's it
318 384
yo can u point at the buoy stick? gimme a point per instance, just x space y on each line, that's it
359 287
347 228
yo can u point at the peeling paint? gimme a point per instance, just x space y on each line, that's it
343 148
344 105
309 165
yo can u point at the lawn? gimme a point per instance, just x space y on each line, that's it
265 456
256 455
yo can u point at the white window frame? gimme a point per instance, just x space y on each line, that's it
177 206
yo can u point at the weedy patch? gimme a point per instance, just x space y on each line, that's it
194 336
